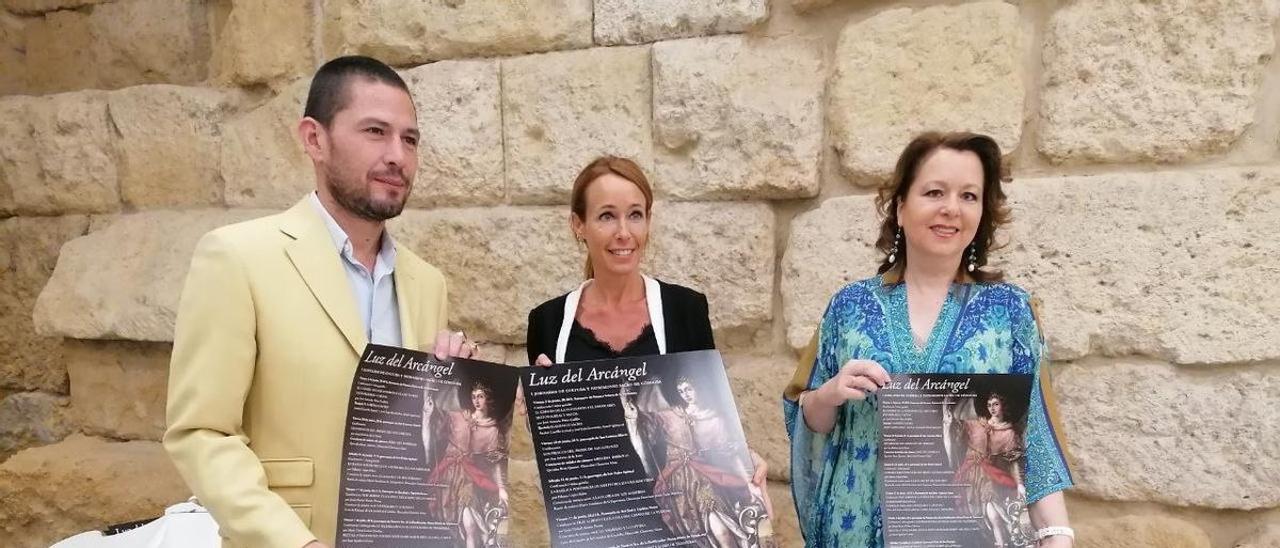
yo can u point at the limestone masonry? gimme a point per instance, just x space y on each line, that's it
1143 140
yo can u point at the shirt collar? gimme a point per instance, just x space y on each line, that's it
386 253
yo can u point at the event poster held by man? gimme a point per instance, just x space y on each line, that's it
277 310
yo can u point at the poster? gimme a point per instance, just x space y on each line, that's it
424 459
644 452
952 459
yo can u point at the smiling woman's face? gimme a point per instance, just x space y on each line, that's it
940 214
616 225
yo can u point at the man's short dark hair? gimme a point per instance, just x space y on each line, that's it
329 86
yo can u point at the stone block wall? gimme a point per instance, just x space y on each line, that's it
1143 140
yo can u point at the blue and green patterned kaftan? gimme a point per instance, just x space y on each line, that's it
982 328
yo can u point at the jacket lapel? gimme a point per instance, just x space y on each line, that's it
408 298
313 254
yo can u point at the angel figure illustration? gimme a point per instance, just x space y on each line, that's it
701 467
465 440
985 447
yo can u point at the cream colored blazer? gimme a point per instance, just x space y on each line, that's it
266 343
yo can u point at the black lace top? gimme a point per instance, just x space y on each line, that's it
584 345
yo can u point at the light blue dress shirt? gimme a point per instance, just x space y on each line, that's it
375 292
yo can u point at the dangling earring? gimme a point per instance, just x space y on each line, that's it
897 245
973 256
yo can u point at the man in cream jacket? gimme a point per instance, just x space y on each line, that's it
276 312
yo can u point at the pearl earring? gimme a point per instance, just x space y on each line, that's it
897 245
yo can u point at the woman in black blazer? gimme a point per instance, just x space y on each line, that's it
618 311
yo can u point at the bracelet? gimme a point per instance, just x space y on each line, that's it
1055 530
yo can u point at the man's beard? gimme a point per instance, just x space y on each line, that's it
348 195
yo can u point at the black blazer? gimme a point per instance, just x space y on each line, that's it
684 311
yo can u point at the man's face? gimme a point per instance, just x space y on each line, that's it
372 153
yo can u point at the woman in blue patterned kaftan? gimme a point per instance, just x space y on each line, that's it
941 210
